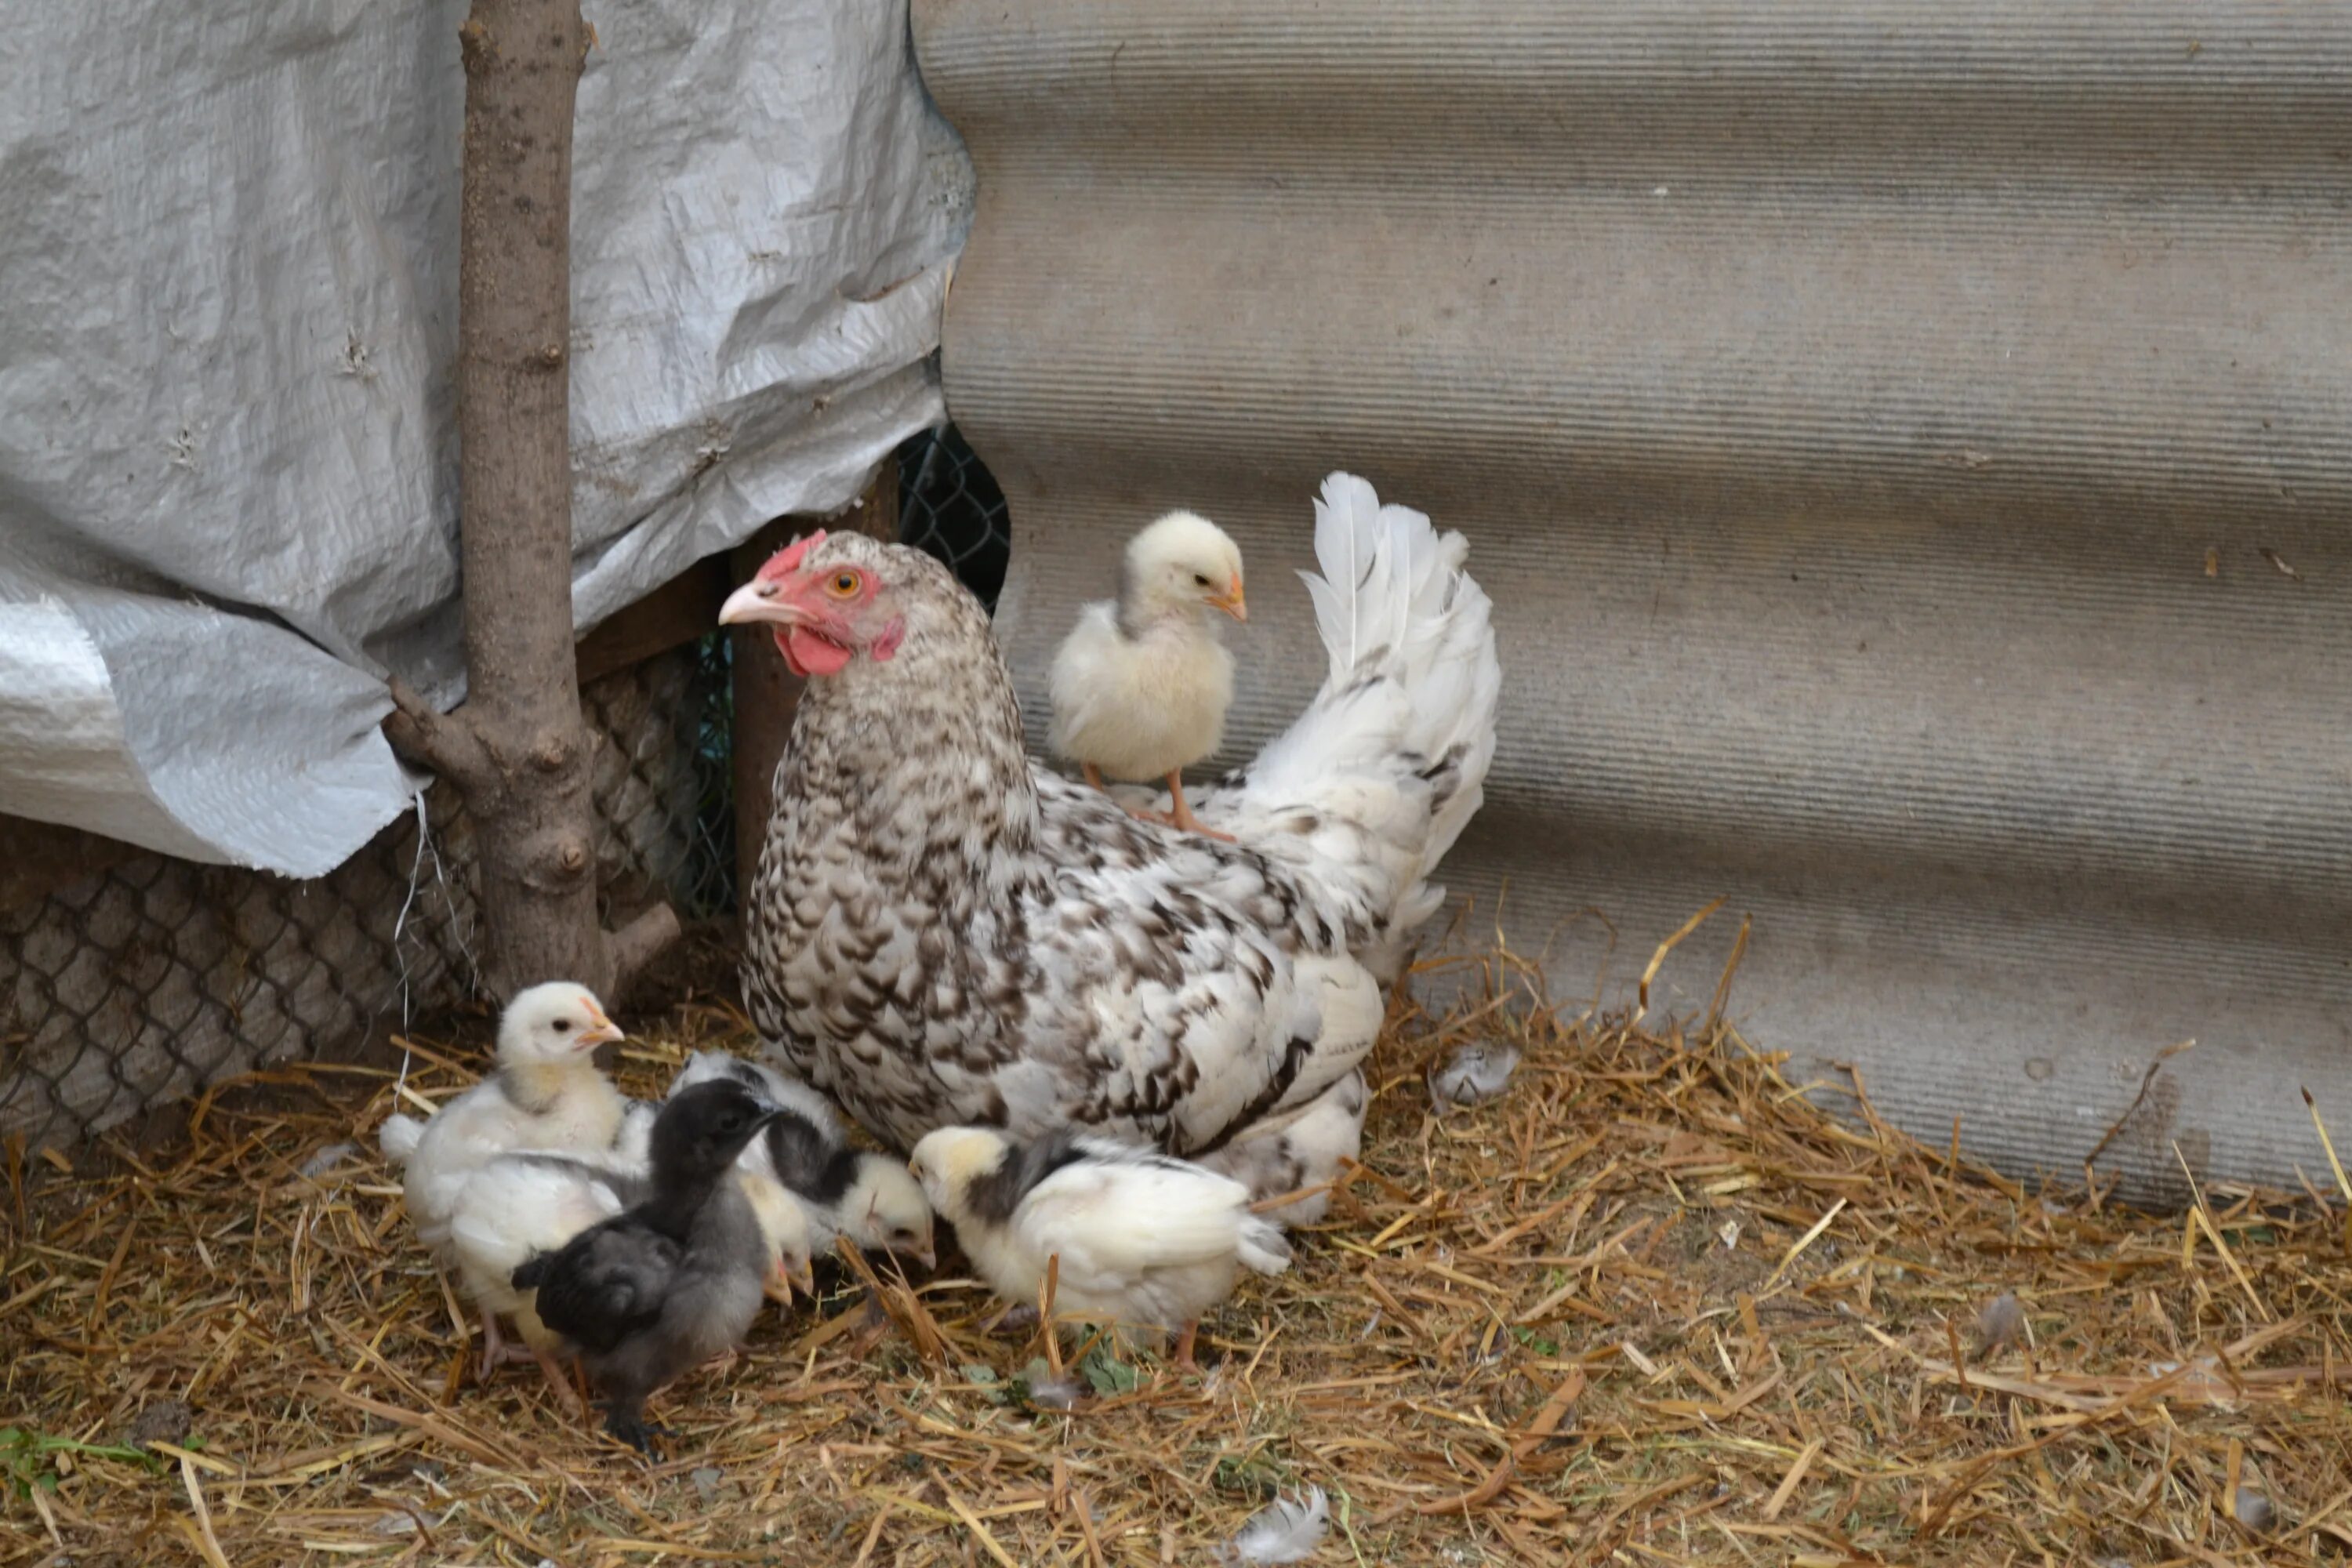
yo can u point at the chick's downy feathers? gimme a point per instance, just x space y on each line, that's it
865 1195
1142 1240
676 1279
1140 686
546 1093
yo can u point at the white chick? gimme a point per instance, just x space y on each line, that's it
515 1205
867 1196
545 1094
518 1205
1140 686
1144 1240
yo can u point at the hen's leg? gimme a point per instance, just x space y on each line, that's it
1182 816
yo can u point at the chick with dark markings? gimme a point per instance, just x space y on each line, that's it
675 1281
864 1195
1133 1238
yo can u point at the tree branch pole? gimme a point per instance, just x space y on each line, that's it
518 751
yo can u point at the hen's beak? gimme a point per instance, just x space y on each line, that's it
1230 601
759 600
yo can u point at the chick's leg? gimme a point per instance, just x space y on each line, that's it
1182 816
558 1383
493 1344
1094 777
1184 1361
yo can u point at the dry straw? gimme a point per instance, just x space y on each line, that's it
1650 1306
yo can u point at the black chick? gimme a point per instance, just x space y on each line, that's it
668 1284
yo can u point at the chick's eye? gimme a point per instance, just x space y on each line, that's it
843 586
563 1026
1200 580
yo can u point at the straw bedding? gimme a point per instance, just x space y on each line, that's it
1652 1305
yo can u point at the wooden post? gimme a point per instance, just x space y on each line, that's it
766 693
518 751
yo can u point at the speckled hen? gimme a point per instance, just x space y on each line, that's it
942 932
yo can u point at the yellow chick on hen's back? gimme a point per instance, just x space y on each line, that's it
1141 684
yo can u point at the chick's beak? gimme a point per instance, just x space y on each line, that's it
761 599
779 1287
600 1030
804 1278
1231 601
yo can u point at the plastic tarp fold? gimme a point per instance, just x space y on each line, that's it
228 327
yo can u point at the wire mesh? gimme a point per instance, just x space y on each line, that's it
140 984
950 506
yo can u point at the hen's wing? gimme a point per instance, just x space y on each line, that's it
1169 987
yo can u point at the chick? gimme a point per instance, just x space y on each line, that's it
867 1196
1140 686
518 1206
545 1094
1144 1240
512 1208
674 1279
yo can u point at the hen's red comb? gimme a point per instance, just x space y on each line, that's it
789 558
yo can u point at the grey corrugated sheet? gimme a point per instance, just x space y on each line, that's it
1843 402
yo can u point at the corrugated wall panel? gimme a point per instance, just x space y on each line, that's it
1910 449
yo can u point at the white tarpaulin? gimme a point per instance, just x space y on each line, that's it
228 283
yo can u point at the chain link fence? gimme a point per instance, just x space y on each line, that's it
147 979
139 983
950 506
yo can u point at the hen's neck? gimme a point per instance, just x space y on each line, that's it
920 761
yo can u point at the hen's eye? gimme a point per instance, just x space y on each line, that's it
844 585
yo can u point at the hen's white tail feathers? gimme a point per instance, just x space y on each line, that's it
1395 748
399 1136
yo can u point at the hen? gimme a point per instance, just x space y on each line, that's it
942 932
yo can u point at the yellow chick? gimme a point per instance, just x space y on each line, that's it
1144 1240
1140 686
545 1094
